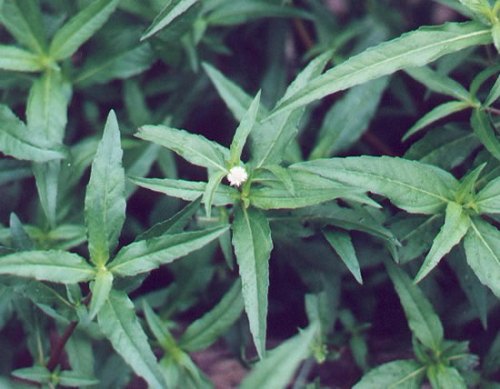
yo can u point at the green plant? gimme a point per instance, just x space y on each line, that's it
78 264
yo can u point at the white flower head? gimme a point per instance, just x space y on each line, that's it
237 175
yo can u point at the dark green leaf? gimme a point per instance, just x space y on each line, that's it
480 122
342 244
488 199
105 196
119 323
252 245
171 11
246 125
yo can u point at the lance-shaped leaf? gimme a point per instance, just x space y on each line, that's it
194 148
188 190
48 101
80 28
119 323
439 83
488 199
105 196
494 93
415 48
18 141
342 244
485 132
47 185
422 320
252 245
171 11
410 185
145 255
277 368
456 224
482 248
19 60
23 20
445 377
394 375
101 288
210 190
208 328
243 130
435 114
480 8
50 265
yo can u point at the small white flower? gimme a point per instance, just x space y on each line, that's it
237 175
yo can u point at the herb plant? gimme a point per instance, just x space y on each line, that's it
127 251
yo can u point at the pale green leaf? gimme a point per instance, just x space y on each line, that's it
213 324
100 288
252 245
145 255
171 11
342 244
484 130
19 60
488 199
439 83
35 373
410 185
80 28
194 148
415 48
445 377
346 121
480 8
119 323
246 125
422 320
494 92
18 141
188 190
277 368
402 374
75 379
47 184
210 189
495 33
482 248
105 195
50 265
456 224
435 114
23 19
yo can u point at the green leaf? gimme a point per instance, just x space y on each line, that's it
277 368
23 19
75 379
105 195
415 48
19 142
495 33
494 91
80 28
410 185
174 224
252 245
210 189
145 255
308 189
481 124
100 288
439 83
35 373
19 60
243 130
187 190
402 374
488 199
119 323
342 244
346 121
435 114
456 224
422 320
482 248
47 184
445 377
50 265
20 239
194 148
213 324
480 8
171 11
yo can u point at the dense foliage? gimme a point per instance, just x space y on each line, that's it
306 184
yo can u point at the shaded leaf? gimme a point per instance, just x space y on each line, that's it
488 199
400 374
485 132
171 11
100 288
342 244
